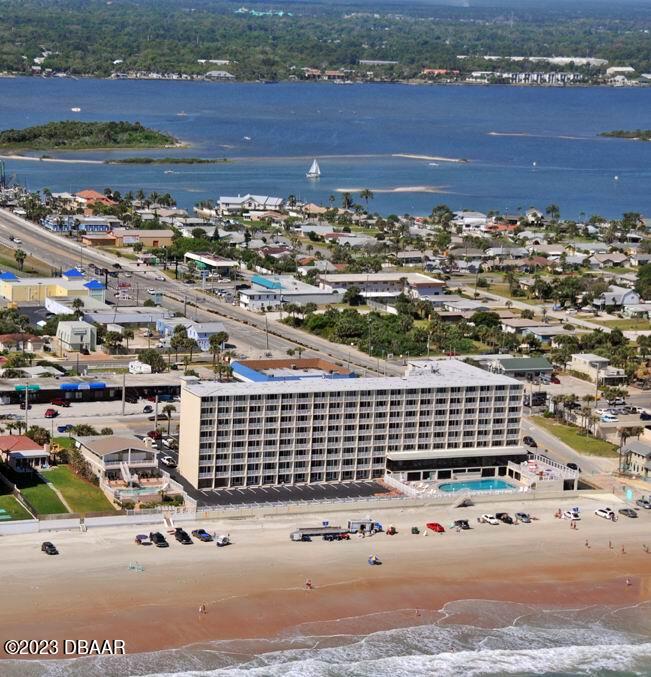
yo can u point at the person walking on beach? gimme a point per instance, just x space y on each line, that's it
308 584
623 550
610 545
628 582
202 609
587 544
646 549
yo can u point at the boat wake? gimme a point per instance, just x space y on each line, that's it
397 189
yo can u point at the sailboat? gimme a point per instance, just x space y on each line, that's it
313 172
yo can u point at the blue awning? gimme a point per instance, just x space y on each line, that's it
94 385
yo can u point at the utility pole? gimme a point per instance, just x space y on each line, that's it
26 408
124 384
266 330
156 413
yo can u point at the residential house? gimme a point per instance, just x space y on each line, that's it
597 368
20 342
202 331
58 223
22 454
248 202
208 261
529 368
374 285
609 260
637 458
517 325
639 310
640 260
274 292
89 197
617 297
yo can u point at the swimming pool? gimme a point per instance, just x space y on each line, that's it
475 485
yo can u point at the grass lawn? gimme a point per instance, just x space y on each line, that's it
80 495
36 491
33 266
503 290
572 436
631 324
11 507
65 442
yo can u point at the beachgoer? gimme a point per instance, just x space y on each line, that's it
587 545
628 581
202 609
308 584
623 551
610 544
646 549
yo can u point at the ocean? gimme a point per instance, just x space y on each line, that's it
469 638
524 146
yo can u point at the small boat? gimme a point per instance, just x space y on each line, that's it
433 164
314 172
169 171
246 138
182 114
76 109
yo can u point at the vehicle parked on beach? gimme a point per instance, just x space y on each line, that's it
305 534
142 539
158 539
182 536
49 548
202 535
606 513
435 527
572 514
644 502
523 517
504 517
367 526
461 524
628 512
336 537
222 541
487 518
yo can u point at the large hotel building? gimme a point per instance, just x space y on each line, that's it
442 418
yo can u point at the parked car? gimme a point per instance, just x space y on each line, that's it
155 434
147 409
436 527
336 537
529 441
168 461
131 399
487 518
158 539
60 402
160 417
617 402
644 502
202 535
22 406
572 514
142 539
555 379
645 415
49 548
461 524
523 517
609 418
65 428
504 517
51 413
223 540
606 513
170 443
151 291
574 466
182 536
628 512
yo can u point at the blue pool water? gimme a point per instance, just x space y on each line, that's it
475 485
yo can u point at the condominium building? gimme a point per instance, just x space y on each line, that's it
437 420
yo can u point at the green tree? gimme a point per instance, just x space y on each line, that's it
366 195
20 257
154 359
216 343
353 297
38 434
168 410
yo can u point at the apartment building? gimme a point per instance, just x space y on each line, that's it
439 419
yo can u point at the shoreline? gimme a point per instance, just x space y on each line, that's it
254 589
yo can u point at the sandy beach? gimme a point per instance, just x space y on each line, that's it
256 587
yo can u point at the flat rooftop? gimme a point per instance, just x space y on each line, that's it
412 278
433 374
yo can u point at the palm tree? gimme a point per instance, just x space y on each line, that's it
168 409
127 335
20 257
216 342
624 433
346 200
366 195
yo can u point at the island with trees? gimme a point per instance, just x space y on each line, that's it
77 135
166 161
635 134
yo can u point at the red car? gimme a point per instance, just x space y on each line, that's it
155 434
59 402
436 527
51 413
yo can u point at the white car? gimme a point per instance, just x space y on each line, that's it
168 461
488 519
127 275
160 278
151 291
609 418
606 513
573 514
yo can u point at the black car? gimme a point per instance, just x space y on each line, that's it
645 416
182 536
529 441
147 409
461 524
574 466
22 405
49 548
504 517
628 512
131 399
158 539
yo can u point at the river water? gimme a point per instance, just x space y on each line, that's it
524 146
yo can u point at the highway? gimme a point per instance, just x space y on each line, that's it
62 252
